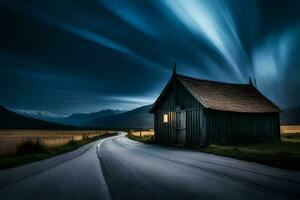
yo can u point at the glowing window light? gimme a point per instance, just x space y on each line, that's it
165 118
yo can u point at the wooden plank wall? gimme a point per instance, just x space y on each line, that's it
230 127
193 127
165 133
181 98
184 99
168 102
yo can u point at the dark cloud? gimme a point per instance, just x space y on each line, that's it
82 56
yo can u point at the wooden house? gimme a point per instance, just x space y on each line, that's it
191 112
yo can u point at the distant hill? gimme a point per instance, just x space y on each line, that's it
137 118
82 118
290 116
12 120
41 115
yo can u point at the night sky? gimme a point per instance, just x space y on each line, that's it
64 57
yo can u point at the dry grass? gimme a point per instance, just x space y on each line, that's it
11 139
287 129
142 136
142 133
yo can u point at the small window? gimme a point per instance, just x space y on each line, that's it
165 118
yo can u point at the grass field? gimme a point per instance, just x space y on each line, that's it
18 147
10 140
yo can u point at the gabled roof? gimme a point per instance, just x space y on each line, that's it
223 96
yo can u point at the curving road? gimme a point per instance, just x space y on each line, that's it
132 170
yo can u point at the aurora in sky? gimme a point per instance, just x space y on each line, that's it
64 57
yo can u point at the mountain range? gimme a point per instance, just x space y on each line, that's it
136 118
108 118
13 120
82 118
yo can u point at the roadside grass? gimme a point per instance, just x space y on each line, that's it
143 138
284 154
34 151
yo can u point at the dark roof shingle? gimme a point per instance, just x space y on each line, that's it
228 97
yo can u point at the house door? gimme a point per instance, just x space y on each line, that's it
181 128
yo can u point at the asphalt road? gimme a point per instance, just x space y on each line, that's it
119 168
